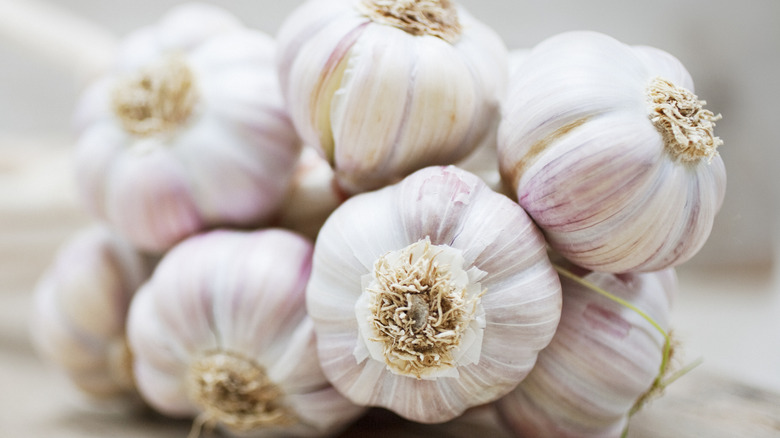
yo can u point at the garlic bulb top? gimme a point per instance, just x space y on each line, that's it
603 358
220 333
431 296
611 153
189 132
80 308
383 88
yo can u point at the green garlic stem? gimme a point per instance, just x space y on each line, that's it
667 341
658 382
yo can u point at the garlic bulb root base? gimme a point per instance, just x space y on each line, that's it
236 392
418 312
120 359
687 128
437 18
157 99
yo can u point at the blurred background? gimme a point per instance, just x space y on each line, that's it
728 311
730 50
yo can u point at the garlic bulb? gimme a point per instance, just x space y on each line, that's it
188 133
220 333
313 195
383 88
611 153
431 296
80 307
603 358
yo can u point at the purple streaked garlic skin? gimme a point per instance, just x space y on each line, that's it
603 358
80 307
189 132
431 296
439 83
608 149
220 334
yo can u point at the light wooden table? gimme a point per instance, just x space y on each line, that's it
39 211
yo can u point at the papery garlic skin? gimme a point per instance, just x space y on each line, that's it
380 102
80 307
483 161
188 132
580 145
603 358
313 195
494 268
220 333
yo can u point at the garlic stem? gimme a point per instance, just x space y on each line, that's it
236 392
667 350
437 18
158 99
659 383
667 341
120 360
680 116
681 372
418 311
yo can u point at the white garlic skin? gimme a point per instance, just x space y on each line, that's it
457 211
483 161
603 357
586 162
237 293
313 195
438 99
80 308
228 163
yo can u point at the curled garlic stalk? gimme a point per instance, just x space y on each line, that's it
188 132
430 296
437 72
608 149
80 308
220 334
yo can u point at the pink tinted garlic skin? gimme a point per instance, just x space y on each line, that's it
314 194
431 296
188 132
220 334
439 93
608 149
602 359
80 307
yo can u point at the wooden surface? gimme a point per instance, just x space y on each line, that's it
39 211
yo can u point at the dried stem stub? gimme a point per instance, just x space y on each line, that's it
418 312
237 393
437 18
158 99
687 127
120 363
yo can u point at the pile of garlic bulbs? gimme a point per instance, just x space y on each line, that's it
383 207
